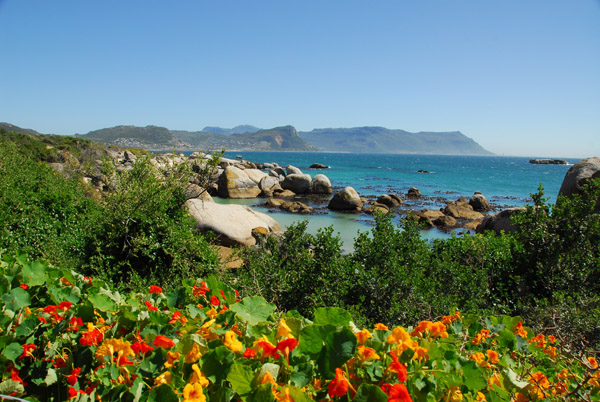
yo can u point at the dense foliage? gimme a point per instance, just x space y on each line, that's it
73 337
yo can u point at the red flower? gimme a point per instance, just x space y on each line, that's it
155 289
64 306
286 346
141 347
163 342
200 291
72 378
268 349
24 286
93 337
397 367
150 306
249 353
73 392
74 324
214 300
14 375
397 393
27 350
339 385
237 296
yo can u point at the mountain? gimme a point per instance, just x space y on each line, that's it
11 127
149 137
384 140
228 131
278 138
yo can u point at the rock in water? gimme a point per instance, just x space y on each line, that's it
292 170
578 175
318 166
499 222
298 183
413 192
320 184
232 224
345 200
479 202
235 183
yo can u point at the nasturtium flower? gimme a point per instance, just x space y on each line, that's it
592 362
162 341
367 353
141 347
74 392
193 393
494 380
24 286
453 394
380 327
200 291
539 382
481 337
284 396
212 313
520 330
519 397
399 336
155 289
164 378
198 377
423 327
339 385
283 331
267 378
449 319
214 300
194 354
249 353
438 329
478 358
150 306
232 343
178 317
396 367
363 336
172 358
396 393
286 346
492 356
267 348
72 378
109 347
28 350
480 397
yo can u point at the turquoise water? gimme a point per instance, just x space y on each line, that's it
505 181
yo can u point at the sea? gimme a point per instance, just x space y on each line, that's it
505 181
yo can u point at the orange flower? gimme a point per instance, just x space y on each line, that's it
339 385
194 354
592 362
449 319
551 351
494 381
164 378
520 397
423 327
141 347
438 329
362 336
453 394
492 356
397 367
519 330
399 336
481 337
163 342
268 378
285 397
380 327
249 353
397 393
200 291
172 358
480 397
478 358
367 353
150 306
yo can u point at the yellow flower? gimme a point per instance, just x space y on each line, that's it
494 380
172 357
453 394
438 329
362 336
164 378
193 393
283 331
198 377
480 397
194 354
111 346
212 313
367 353
232 343
478 358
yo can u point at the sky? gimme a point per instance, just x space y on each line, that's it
520 77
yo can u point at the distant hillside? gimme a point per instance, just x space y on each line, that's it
149 137
278 138
16 129
384 140
228 131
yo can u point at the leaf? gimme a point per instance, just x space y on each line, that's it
10 387
196 312
302 374
137 388
339 348
216 364
299 396
16 299
13 351
370 393
473 378
332 316
34 274
102 302
175 297
262 393
240 377
164 393
253 309
514 379
312 339
51 377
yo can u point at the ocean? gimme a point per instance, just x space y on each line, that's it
505 181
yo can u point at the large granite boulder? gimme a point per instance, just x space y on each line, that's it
298 183
479 202
277 172
461 210
413 192
578 175
195 191
320 184
391 200
289 169
346 199
268 185
235 183
255 175
499 222
232 224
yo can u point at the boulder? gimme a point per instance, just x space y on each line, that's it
298 183
268 185
284 194
195 191
444 222
431 213
413 192
346 199
320 184
382 208
479 202
500 221
391 201
289 169
424 221
255 175
473 224
578 175
232 224
293 207
277 172
318 166
397 198
461 210
235 183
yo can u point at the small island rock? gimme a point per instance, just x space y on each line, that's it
346 199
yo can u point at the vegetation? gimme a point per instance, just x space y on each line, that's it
98 256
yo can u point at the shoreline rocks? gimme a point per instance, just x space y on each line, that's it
548 162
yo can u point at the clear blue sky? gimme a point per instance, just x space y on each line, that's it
521 77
